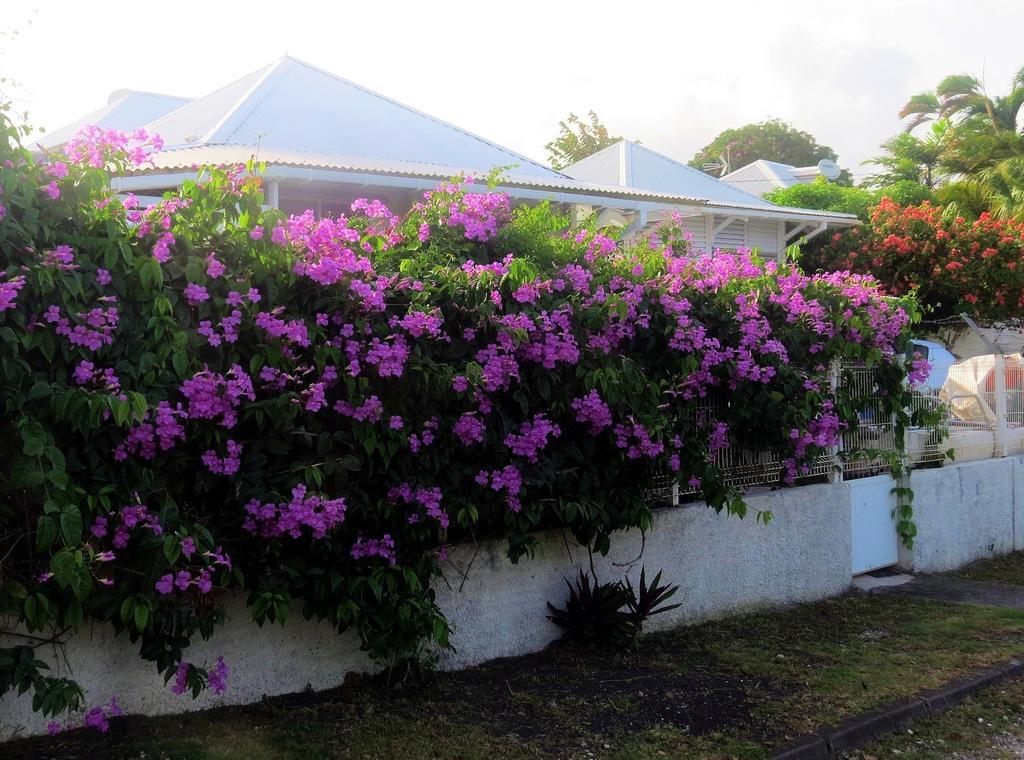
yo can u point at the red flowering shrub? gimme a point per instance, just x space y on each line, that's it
955 265
205 395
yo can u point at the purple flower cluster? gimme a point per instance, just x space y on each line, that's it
272 520
469 428
181 677
425 437
9 291
195 294
593 411
97 717
96 147
637 441
388 356
375 547
128 519
418 323
85 373
507 479
226 465
218 677
214 267
62 257
162 247
920 369
478 215
293 331
427 498
369 411
142 439
211 395
96 332
228 329
183 580
532 437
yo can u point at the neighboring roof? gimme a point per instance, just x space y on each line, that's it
630 164
125 109
189 158
761 175
290 105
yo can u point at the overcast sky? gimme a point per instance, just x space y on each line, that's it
670 74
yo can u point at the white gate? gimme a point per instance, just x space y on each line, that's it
873 538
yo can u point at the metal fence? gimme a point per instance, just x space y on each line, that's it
984 401
980 402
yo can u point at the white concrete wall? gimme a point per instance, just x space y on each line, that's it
723 565
965 512
271 660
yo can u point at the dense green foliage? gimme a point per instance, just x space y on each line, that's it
204 396
828 196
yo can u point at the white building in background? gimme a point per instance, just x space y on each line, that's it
326 141
760 176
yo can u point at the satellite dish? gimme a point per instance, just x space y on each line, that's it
828 169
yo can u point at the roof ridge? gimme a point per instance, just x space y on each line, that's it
697 171
226 117
418 112
126 91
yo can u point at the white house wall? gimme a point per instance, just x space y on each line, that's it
732 236
763 234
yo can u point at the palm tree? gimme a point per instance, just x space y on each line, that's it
908 157
962 98
998 189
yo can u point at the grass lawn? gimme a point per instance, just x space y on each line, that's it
989 726
1006 569
731 688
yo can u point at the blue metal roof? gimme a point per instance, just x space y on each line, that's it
126 109
290 105
629 164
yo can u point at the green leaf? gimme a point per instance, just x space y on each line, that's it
64 567
150 273
180 363
33 438
350 463
46 533
128 610
172 550
138 403
71 524
141 617
41 389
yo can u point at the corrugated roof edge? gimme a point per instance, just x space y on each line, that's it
173 160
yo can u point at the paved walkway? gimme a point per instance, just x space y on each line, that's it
942 588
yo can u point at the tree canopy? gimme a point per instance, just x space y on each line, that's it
772 140
577 139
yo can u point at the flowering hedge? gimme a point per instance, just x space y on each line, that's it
204 395
955 265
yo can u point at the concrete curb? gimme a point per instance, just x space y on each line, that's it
860 730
